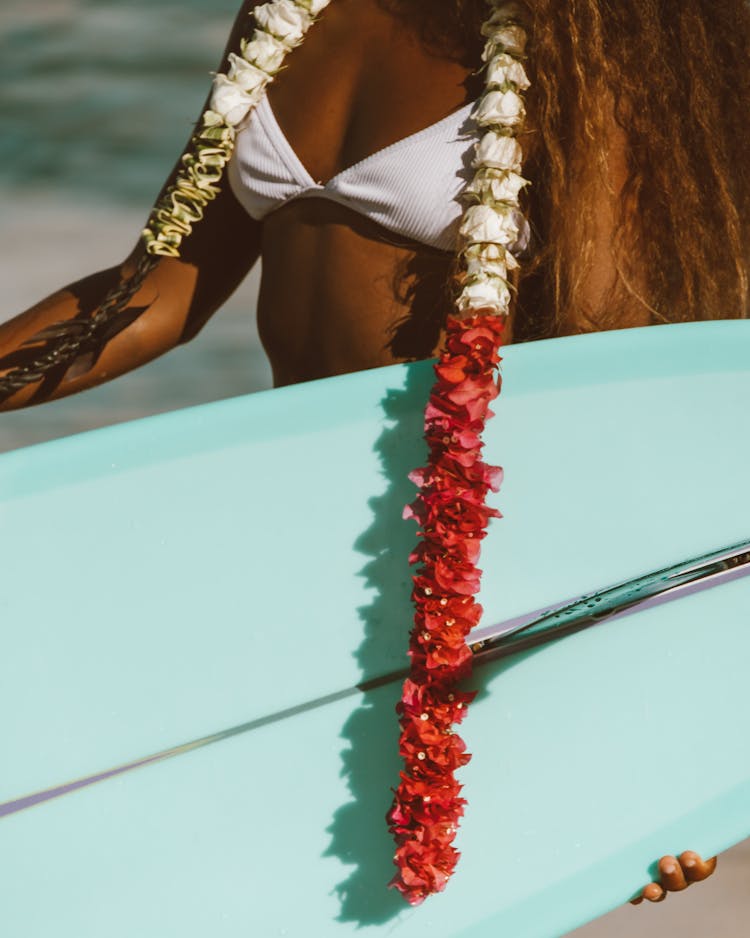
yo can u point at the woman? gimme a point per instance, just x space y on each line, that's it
635 147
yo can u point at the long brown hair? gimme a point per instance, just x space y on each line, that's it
675 75
670 81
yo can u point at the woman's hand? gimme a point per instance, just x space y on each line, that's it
675 874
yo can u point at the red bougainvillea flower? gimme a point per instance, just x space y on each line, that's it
453 516
451 508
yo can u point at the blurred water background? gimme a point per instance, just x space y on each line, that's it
97 100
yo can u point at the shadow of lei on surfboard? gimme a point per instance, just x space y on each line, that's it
370 760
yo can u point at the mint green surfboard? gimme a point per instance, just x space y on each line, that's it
190 603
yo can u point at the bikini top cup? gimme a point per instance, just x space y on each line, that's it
411 187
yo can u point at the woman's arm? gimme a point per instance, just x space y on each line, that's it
174 301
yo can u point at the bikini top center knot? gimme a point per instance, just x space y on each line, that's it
411 187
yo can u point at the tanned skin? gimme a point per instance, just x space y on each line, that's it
339 293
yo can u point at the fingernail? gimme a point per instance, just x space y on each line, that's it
669 868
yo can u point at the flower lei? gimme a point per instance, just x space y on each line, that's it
279 27
451 506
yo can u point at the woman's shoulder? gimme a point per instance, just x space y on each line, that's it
363 79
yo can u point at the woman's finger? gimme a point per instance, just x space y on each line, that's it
675 875
671 875
695 868
654 893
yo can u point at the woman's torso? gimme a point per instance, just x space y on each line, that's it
341 292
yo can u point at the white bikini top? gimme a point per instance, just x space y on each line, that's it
411 187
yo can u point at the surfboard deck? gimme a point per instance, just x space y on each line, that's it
243 565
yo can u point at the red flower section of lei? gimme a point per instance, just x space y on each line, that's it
453 516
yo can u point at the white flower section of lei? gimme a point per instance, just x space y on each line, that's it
285 20
265 51
493 223
280 27
503 69
500 109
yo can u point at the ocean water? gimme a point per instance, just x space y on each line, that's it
97 101
98 98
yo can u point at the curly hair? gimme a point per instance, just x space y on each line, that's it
675 77
669 82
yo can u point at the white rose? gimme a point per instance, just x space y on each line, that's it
497 185
481 223
247 76
488 255
500 108
487 293
499 151
284 20
477 268
264 51
314 6
229 100
504 69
